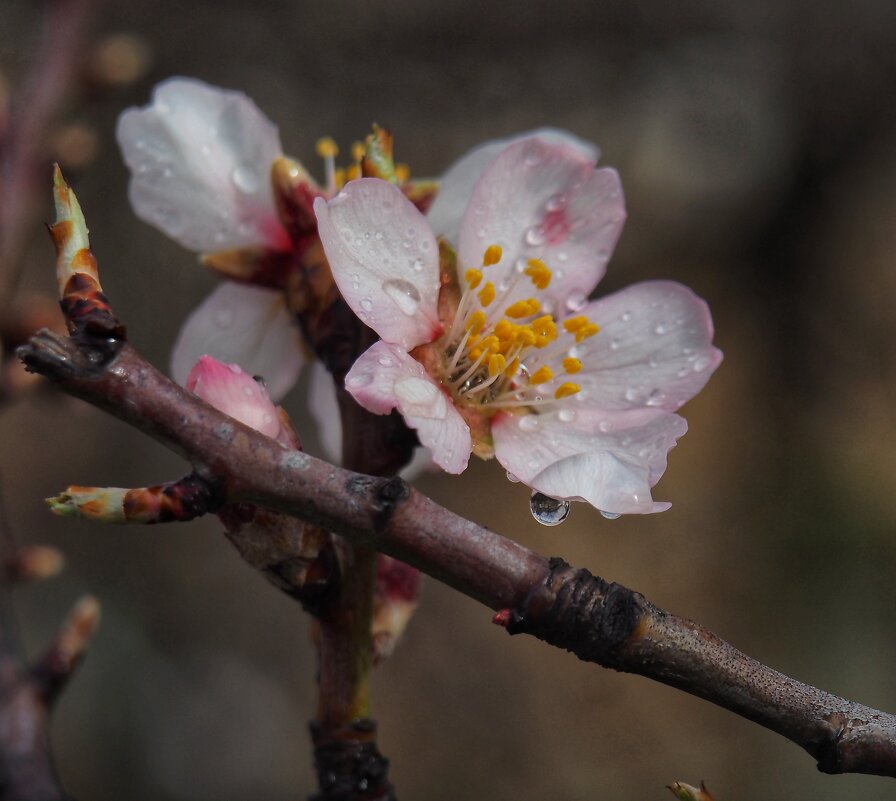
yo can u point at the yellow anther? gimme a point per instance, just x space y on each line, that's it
339 177
523 308
567 389
525 336
402 173
492 255
358 150
475 322
541 375
571 364
587 331
573 324
496 364
474 277
490 344
487 293
539 273
475 353
545 326
511 368
352 171
504 330
326 148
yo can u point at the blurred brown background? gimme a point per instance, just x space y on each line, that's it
757 145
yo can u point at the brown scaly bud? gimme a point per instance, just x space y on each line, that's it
83 303
685 792
395 599
180 500
68 647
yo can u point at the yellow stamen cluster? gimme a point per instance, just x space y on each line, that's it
487 355
326 148
337 177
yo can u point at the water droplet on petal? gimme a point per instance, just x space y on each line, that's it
224 317
614 343
247 391
610 515
656 398
385 361
626 316
604 426
566 415
512 478
701 364
660 329
555 203
528 422
360 380
535 235
418 265
245 179
366 304
632 394
576 301
235 369
404 294
547 510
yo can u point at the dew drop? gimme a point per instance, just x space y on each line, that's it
701 364
533 159
566 415
267 419
656 398
245 179
366 304
247 391
360 380
235 369
576 301
385 361
404 294
547 510
528 422
417 265
626 316
632 394
604 426
610 515
535 235
378 236
224 317
614 343
555 203
660 329
512 478
562 256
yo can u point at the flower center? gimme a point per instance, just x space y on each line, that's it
512 355
337 177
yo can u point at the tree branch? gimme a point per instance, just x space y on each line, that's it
598 621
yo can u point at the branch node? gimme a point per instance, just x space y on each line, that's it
349 765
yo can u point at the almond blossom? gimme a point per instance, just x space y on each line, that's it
503 355
200 160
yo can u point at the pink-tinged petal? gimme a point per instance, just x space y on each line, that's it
323 407
232 391
654 348
385 377
545 201
608 459
384 259
244 325
200 159
456 185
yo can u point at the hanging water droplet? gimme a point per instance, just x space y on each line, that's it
535 235
576 301
547 510
245 179
404 294
610 515
512 478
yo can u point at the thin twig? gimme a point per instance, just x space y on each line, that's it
598 621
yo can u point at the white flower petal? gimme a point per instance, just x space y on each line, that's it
544 201
610 460
200 159
654 348
456 185
244 325
384 259
385 377
323 407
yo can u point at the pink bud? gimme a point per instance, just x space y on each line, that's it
232 391
394 603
